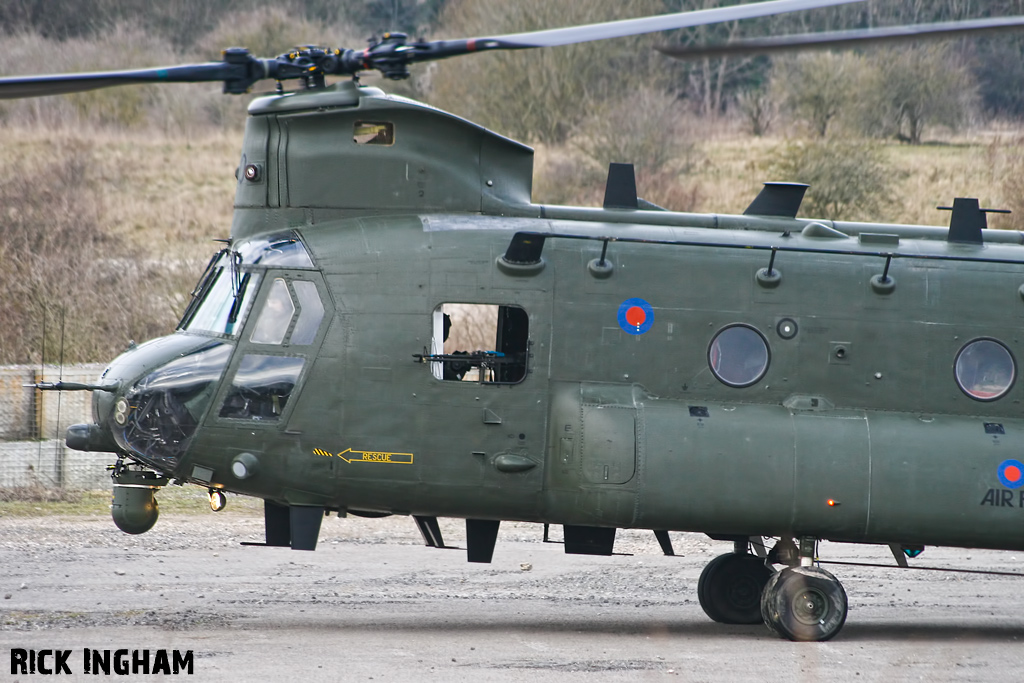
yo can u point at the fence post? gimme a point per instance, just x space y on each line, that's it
37 407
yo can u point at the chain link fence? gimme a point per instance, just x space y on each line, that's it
33 456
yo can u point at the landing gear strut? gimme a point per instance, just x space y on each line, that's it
730 587
801 602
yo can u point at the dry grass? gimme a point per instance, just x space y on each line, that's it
163 193
732 172
39 494
184 500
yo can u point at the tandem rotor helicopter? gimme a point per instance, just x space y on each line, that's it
856 382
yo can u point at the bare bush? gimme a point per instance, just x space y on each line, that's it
848 178
906 89
642 128
61 272
564 175
759 108
816 87
649 128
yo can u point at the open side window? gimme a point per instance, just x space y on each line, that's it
482 343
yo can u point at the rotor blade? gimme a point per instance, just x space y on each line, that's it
442 49
36 86
664 22
391 57
845 39
61 84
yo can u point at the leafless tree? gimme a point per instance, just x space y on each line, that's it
907 89
816 87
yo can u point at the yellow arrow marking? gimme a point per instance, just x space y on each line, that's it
369 456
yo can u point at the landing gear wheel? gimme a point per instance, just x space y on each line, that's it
804 604
730 588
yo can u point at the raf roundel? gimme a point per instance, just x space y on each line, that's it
636 316
1011 473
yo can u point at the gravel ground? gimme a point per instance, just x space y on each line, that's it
372 603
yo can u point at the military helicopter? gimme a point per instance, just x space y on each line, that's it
855 382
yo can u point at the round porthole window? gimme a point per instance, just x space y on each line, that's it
985 370
738 356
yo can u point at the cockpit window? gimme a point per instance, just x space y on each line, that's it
276 315
223 298
279 310
311 312
282 249
373 133
261 387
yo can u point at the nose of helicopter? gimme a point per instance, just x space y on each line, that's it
159 392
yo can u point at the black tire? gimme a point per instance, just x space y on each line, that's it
804 604
769 588
730 588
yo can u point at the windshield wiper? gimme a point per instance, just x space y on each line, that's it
239 290
202 287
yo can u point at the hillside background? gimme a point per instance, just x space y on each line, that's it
110 200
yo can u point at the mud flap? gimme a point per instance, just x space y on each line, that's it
305 526
297 526
481 535
588 540
277 522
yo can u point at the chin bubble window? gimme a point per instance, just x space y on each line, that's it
985 370
261 387
738 356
